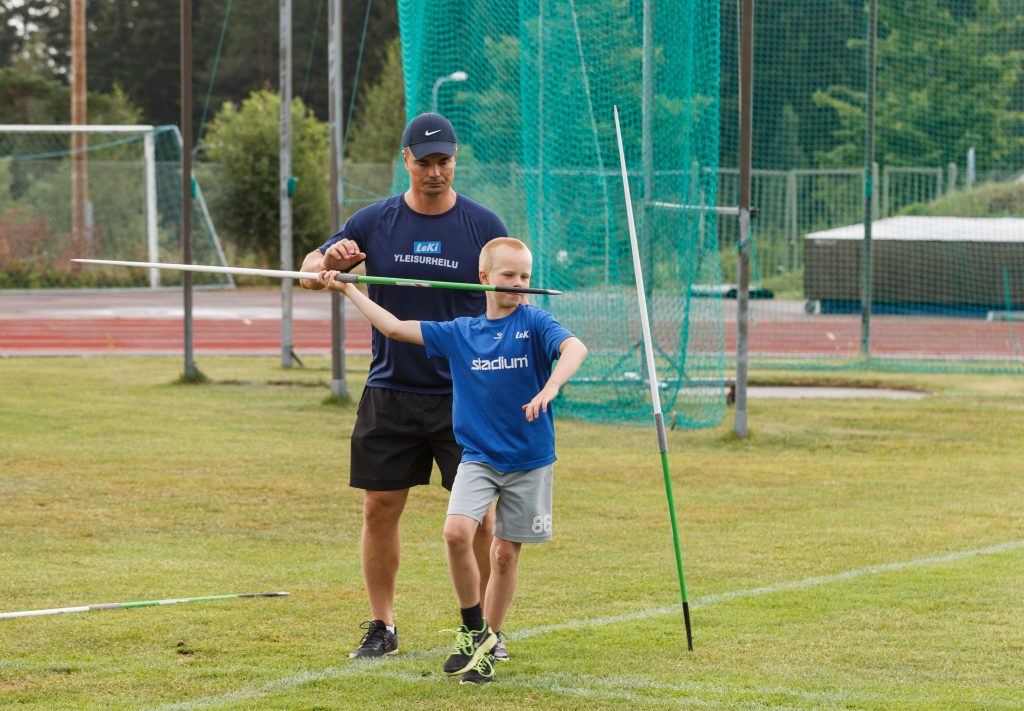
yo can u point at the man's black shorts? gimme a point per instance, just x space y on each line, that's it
398 436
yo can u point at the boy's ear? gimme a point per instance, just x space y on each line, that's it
483 278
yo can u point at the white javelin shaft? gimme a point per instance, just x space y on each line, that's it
644 323
278 273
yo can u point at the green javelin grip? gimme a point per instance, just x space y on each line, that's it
659 420
349 278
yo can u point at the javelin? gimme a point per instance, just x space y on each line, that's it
346 278
659 421
120 605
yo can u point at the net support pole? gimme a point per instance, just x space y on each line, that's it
152 235
869 182
285 178
647 130
186 181
659 420
79 156
746 55
339 388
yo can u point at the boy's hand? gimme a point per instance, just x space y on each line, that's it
327 278
540 402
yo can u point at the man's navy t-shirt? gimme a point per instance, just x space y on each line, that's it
401 243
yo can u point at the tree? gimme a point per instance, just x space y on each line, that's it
946 82
27 97
24 23
136 45
243 140
376 131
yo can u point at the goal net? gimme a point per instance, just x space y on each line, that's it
98 192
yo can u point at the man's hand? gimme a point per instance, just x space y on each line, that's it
343 255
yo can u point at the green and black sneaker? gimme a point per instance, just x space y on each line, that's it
482 673
470 647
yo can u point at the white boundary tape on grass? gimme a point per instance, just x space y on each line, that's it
602 687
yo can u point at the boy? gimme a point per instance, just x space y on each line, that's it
503 355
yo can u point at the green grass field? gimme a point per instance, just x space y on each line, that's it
856 554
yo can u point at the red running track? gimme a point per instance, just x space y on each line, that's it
161 335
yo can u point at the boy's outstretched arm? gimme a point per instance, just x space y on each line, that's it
571 355
384 321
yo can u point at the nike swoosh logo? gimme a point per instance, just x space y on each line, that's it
431 133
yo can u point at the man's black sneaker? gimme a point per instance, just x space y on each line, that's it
500 651
470 647
482 673
377 641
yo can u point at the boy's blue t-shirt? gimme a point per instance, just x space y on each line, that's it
401 243
497 367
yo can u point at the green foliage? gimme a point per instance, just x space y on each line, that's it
137 45
244 141
376 132
944 85
30 274
28 97
988 200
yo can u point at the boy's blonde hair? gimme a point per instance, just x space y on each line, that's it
487 253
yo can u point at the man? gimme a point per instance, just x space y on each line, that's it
404 420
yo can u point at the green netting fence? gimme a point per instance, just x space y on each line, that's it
132 184
946 274
947 218
537 144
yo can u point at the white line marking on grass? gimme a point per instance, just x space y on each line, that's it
771 589
555 683
631 690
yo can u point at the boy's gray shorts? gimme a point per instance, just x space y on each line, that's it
524 500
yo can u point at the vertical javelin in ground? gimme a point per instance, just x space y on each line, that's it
659 420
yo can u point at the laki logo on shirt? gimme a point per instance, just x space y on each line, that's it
426 247
522 334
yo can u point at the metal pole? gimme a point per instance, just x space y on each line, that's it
339 389
286 178
869 183
186 178
541 236
79 142
743 277
647 138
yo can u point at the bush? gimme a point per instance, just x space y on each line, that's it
244 140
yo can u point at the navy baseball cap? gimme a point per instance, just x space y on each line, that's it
429 133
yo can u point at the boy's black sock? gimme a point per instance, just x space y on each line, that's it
473 618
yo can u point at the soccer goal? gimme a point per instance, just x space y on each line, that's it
110 192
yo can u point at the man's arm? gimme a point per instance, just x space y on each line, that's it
572 352
384 321
314 262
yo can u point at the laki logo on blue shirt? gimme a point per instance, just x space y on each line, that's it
426 247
